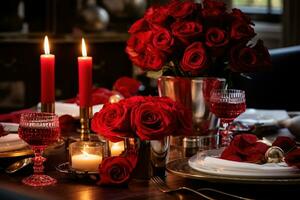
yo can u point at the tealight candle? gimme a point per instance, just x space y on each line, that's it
86 156
86 162
116 148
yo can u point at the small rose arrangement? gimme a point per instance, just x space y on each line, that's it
148 118
190 39
248 148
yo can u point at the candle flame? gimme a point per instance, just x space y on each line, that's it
83 48
46 45
85 154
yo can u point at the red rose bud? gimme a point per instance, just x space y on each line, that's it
293 158
115 171
194 59
285 143
127 86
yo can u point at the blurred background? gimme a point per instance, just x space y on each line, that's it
104 24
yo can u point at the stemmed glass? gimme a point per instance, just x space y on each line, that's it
39 130
227 104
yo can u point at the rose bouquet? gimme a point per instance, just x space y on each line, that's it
148 118
189 39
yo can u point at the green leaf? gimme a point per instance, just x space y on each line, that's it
155 74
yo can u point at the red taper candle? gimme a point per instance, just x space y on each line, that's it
47 75
85 64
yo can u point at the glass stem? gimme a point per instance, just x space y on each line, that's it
225 133
38 166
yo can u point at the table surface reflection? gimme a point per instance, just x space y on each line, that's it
84 189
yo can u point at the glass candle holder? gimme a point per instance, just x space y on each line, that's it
116 148
86 156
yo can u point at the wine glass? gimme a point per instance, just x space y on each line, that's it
39 130
227 104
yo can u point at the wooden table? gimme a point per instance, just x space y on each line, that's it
69 188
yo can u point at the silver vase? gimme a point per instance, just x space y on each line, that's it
153 156
194 94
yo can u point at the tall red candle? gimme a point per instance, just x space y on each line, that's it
85 64
47 75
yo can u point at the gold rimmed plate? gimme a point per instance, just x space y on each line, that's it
26 151
181 168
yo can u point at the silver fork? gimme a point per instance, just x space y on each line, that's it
224 193
162 186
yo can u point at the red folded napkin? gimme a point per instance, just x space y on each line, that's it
13 117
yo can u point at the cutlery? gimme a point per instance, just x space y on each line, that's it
224 193
162 186
18 165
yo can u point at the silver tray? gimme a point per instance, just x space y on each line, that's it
181 168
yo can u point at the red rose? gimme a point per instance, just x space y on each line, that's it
245 148
178 9
154 59
153 120
186 31
139 25
194 59
241 30
156 15
162 39
127 86
293 158
215 39
112 122
249 59
67 123
138 43
214 4
183 115
213 9
285 143
115 170
237 14
143 54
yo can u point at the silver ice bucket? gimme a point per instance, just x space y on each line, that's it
194 94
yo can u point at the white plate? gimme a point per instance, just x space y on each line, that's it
70 109
10 127
267 117
216 166
11 142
